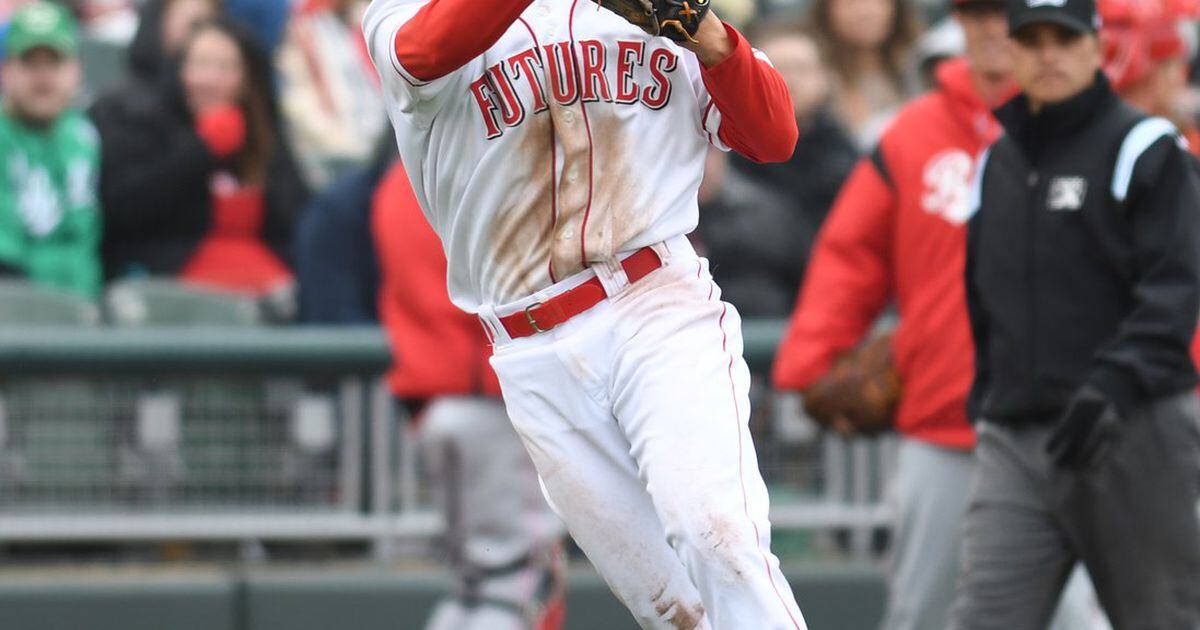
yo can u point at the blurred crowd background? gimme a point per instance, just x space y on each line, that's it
245 159
272 199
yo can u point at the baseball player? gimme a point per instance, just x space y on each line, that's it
501 537
556 148
897 232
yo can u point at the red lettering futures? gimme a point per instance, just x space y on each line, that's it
511 90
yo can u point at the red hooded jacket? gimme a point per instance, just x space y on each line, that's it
439 349
897 232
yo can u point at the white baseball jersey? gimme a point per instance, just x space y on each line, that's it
574 138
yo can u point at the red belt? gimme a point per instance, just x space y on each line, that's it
543 316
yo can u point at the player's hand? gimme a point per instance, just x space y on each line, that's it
1086 431
712 44
223 129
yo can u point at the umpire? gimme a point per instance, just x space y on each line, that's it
1083 287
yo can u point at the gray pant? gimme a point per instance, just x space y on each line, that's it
1133 521
502 538
930 498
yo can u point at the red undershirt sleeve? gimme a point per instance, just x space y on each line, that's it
444 35
757 117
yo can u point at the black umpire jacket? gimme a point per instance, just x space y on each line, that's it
1082 259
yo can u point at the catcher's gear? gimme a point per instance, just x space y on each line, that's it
860 393
677 20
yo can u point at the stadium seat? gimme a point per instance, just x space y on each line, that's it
161 302
24 303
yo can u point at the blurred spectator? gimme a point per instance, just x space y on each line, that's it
163 26
266 19
7 7
336 268
825 152
940 42
49 157
503 541
197 181
329 91
755 241
868 45
1145 58
113 21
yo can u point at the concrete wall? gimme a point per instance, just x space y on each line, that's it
336 599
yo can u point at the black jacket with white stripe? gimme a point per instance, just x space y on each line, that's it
1083 258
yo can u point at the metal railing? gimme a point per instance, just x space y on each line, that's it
290 434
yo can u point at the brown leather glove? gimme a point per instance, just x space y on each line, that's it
677 20
860 393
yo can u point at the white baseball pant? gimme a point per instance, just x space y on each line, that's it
635 413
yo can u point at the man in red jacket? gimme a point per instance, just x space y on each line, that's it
897 232
502 538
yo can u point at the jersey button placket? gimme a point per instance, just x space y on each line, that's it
575 148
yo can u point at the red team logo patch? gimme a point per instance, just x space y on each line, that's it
499 98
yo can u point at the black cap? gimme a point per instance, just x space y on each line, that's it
1077 15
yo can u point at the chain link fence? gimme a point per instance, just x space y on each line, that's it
268 434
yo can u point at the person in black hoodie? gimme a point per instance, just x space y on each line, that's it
163 27
196 178
753 239
825 152
1083 285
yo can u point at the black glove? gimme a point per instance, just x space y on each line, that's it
1086 430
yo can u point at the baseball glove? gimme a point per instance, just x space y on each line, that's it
677 20
860 393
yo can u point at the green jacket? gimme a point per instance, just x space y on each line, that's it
49 213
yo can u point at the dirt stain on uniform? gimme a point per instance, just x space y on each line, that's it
724 541
595 231
677 614
557 223
523 228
